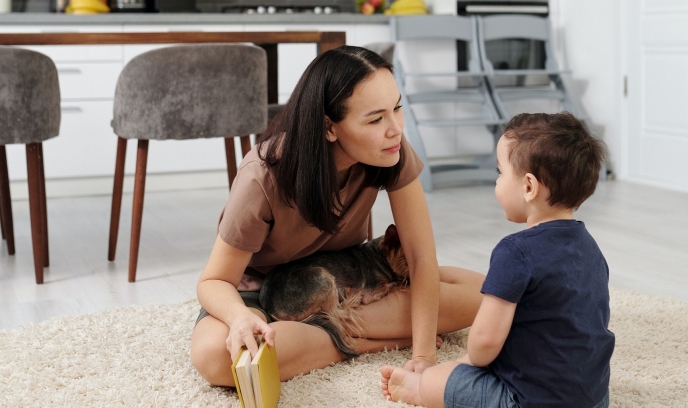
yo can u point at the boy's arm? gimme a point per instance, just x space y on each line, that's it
490 329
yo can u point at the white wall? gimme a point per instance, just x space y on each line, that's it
587 41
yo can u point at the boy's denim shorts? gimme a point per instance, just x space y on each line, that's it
474 387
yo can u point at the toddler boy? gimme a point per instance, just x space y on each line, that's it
540 337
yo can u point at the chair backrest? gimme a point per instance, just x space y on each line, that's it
192 91
515 27
414 28
29 97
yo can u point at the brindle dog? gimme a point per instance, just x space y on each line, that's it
325 289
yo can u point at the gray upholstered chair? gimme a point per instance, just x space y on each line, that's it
184 92
29 114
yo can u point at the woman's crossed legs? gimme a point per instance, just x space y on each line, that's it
302 348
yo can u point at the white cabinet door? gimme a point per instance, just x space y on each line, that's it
85 147
84 81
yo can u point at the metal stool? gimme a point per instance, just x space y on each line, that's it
29 114
184 92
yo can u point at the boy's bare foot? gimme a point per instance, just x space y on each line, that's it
400 385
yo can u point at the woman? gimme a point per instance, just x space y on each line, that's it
309 185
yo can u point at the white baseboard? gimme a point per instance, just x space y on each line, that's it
97 186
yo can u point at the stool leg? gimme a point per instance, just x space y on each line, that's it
33 170
6 203
44 209
117 197
137 209
231 160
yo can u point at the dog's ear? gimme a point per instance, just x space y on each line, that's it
391 239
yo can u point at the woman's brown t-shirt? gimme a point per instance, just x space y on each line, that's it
256 220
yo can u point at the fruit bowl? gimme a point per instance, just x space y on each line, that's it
370 6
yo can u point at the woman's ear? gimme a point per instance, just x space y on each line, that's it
329 128
531 187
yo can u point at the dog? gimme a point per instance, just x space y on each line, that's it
326 288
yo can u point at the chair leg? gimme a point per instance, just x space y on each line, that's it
6 203
137 209
116 207
245 145
231 160
44 209
33 170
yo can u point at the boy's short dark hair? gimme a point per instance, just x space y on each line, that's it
559 151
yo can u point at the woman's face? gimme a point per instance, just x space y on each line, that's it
370 133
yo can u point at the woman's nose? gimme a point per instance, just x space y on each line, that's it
396 126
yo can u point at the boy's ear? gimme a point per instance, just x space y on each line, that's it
331 137
531 187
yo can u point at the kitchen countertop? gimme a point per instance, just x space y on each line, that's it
188 18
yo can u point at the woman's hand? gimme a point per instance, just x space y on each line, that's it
243 330
418 364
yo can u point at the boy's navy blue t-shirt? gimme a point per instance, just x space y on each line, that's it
558 349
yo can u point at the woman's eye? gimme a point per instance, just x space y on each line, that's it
397 108
376 120
498 172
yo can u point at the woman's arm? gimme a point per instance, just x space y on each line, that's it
490 330
412 220
217 293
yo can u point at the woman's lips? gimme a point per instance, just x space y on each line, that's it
393 149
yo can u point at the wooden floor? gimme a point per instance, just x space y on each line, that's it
643 232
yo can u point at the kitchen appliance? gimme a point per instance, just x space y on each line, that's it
277 6
153 6
485 7
176 6
140 6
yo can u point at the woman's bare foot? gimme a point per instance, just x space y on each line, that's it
400 385
439 341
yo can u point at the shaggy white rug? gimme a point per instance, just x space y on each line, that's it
139 356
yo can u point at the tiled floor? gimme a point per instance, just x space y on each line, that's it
643 232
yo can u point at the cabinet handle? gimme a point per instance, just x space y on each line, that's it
68 70
71 109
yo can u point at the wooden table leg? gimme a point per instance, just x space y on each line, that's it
331 40
271 51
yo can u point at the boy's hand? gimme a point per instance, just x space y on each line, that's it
418 364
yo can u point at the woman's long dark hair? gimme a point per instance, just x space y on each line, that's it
295 145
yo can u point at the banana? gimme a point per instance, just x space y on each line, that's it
87 7
406 7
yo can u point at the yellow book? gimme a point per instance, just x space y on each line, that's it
257 381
